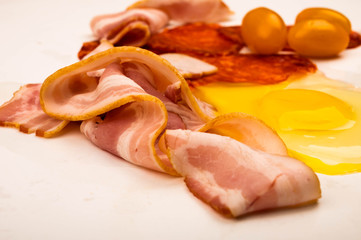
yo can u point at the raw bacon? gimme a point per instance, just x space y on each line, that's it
235 179
101 47
70 89
87 47
133 79
131 27
186 11
188 66
248 130
24 112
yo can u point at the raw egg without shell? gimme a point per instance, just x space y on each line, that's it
318 118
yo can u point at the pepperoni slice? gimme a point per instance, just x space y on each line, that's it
200 38
260 69
355 40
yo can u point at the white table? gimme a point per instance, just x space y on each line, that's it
65 188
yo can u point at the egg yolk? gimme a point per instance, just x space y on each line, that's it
318 38
319 119
302 109
330 15
264 31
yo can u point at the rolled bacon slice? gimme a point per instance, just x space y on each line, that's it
235 179
71 94
185 11
24 112
131 27
132 77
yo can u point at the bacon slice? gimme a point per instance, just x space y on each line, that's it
87 47
246 129
188 66
24 112
129 132
131 27
189 10
132 77
141 120
70 89
103 46
235 179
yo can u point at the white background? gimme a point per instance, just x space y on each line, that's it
65 188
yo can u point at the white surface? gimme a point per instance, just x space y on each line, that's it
65 188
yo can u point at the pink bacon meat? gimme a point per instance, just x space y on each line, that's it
186 11
131 28
24 112
235 179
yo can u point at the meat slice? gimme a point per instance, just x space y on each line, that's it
131 27
188 66
103 46
252 68
235 179
194 39
189 10
129 132
246 129
24 112
71 94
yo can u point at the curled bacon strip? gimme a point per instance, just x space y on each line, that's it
24 112
132 27
235 179
131 75
69 88
189 10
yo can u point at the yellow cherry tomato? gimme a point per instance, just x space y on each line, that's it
318 38
264 31
326 14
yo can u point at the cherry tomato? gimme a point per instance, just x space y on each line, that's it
326 14
318 38
264 31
